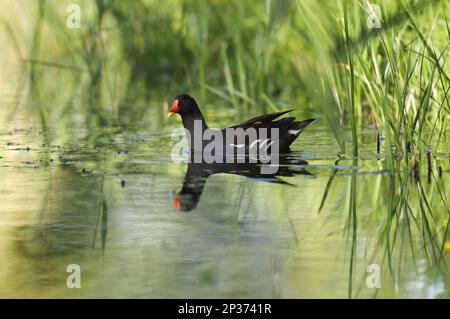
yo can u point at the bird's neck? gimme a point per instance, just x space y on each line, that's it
192 119
196 125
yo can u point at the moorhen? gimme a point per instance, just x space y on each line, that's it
287 129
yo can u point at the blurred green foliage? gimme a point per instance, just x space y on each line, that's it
319 56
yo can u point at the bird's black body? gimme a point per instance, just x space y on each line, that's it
265 133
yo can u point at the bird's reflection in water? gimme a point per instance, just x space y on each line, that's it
198 173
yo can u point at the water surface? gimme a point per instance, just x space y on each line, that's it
106 203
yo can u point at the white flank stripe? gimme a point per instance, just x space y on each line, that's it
269 145
264 142
293 132
254 143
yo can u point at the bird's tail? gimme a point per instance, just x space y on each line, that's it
294 130
297 127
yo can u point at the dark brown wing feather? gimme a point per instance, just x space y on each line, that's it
262 119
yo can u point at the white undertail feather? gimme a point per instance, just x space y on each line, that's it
294 132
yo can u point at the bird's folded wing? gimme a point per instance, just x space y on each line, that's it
262 119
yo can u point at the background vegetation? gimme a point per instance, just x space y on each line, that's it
248 54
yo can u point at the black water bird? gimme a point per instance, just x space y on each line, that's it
287 128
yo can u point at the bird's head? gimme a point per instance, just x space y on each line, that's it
183 104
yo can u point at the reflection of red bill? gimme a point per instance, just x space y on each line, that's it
177 202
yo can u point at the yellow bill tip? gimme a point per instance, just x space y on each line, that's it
170 114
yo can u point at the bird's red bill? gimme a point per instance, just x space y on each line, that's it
174 108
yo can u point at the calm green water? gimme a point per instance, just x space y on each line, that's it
107 204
